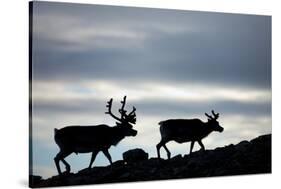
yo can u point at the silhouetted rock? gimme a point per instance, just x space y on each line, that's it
176 158
118 163
135 155
246 157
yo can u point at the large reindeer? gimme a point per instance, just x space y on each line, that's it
85 139
187 130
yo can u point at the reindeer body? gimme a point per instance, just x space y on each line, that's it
183 130
186 130
85 139
92 138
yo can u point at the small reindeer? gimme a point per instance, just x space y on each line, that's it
85 139
187 130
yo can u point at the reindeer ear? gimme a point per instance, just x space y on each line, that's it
133 121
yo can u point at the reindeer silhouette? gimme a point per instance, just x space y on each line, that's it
85 139
187 130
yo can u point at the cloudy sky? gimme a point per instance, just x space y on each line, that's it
169 63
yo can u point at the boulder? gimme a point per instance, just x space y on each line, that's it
135 155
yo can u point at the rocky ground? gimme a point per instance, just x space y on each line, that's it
246 157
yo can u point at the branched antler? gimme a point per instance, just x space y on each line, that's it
216 115
133 111
210 117
109 105
131 117
121 110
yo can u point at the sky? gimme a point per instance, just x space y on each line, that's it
169 63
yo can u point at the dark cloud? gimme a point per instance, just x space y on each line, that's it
68 107
172 108
180 46
154 107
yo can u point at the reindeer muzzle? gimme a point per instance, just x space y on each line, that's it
134 132
221 129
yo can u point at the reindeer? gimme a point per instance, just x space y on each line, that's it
187 130
85 139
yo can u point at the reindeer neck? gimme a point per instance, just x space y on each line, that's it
118 135
207 130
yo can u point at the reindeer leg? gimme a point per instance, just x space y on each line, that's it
67 166
158 146
168 152
57 163
201 144
94 154
191 146
107 155
60 156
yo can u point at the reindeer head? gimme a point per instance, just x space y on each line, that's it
213 123
126 121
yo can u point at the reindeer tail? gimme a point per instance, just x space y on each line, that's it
55 132
56 135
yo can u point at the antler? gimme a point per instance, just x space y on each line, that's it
109 105
133 111
210 117
216 115
121 110
131 117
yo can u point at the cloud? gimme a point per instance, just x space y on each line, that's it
104 42
56 105
44 171
188 92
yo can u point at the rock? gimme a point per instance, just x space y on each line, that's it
262 139
153 171
34 179
118 163
124 175
85 171
135 155
177 157
243 145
